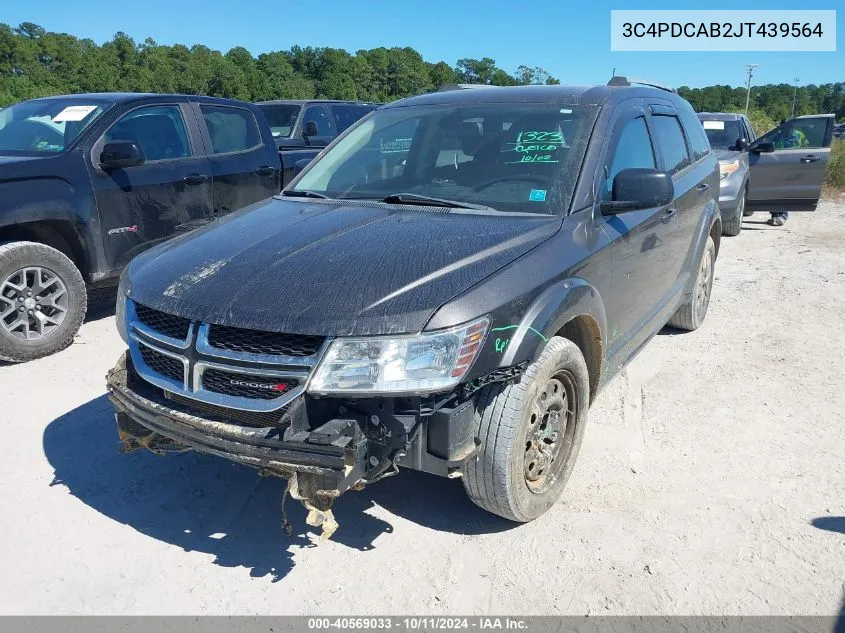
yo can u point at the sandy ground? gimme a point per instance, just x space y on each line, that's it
711 481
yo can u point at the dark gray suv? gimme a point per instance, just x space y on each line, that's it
780 171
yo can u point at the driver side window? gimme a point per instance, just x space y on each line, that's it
633 149
159 130
797 134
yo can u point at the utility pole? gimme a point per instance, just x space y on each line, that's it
749 70
794 94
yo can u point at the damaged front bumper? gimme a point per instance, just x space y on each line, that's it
323 448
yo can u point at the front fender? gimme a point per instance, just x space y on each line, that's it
548 313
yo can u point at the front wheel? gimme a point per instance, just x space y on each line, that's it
530 435
42 301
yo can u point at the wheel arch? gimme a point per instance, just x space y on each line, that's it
58 234
571 309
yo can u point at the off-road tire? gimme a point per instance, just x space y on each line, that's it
733 226
691 315
495 479
17 255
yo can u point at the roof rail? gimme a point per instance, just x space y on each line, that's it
624 81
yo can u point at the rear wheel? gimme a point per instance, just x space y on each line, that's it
691 315
530 435
42 301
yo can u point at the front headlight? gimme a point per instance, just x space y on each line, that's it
120 305
726 169
428 362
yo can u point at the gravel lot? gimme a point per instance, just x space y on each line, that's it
711 481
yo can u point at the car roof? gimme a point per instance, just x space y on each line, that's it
304 101
563 95
126 97
720 116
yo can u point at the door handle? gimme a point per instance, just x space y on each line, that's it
265 170
703 187
195 179
668 214
810 159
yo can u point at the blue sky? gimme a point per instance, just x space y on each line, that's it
569 39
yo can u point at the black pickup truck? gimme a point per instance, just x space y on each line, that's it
89 181
302 129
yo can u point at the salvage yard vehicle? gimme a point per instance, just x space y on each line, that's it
781 171
89 181
302 128
445 289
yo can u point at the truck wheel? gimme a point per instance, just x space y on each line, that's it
42 301
691 315
733 226
530 435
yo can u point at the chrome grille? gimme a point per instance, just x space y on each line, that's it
163 364
245 385
259 342
220 366
167 324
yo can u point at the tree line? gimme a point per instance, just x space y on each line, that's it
35 62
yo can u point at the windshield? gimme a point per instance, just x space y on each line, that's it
281 117
723 134
510 157
46 126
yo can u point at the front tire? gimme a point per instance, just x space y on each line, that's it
530 434
42 301
691 315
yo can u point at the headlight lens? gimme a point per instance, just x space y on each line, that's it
726 169
120 305
433 361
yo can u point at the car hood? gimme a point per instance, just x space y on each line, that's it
333 268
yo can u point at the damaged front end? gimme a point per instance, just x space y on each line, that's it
322 446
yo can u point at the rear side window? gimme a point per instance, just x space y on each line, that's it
698 141
346 115
670 140
633 149
230 129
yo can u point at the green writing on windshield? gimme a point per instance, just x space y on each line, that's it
536 147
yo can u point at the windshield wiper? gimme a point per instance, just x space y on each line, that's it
415 198
304 193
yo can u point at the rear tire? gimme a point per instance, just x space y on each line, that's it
691 315
529 443
42 301
733 226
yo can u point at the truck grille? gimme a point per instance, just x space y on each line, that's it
167 324
163 364
258 342
245 385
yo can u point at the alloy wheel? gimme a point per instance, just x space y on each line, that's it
33 303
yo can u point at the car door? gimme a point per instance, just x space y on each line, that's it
638 237
169 193
788 163
244 169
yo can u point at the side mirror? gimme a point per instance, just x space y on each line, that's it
310 129
639 188
121 154
764 147
741 143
